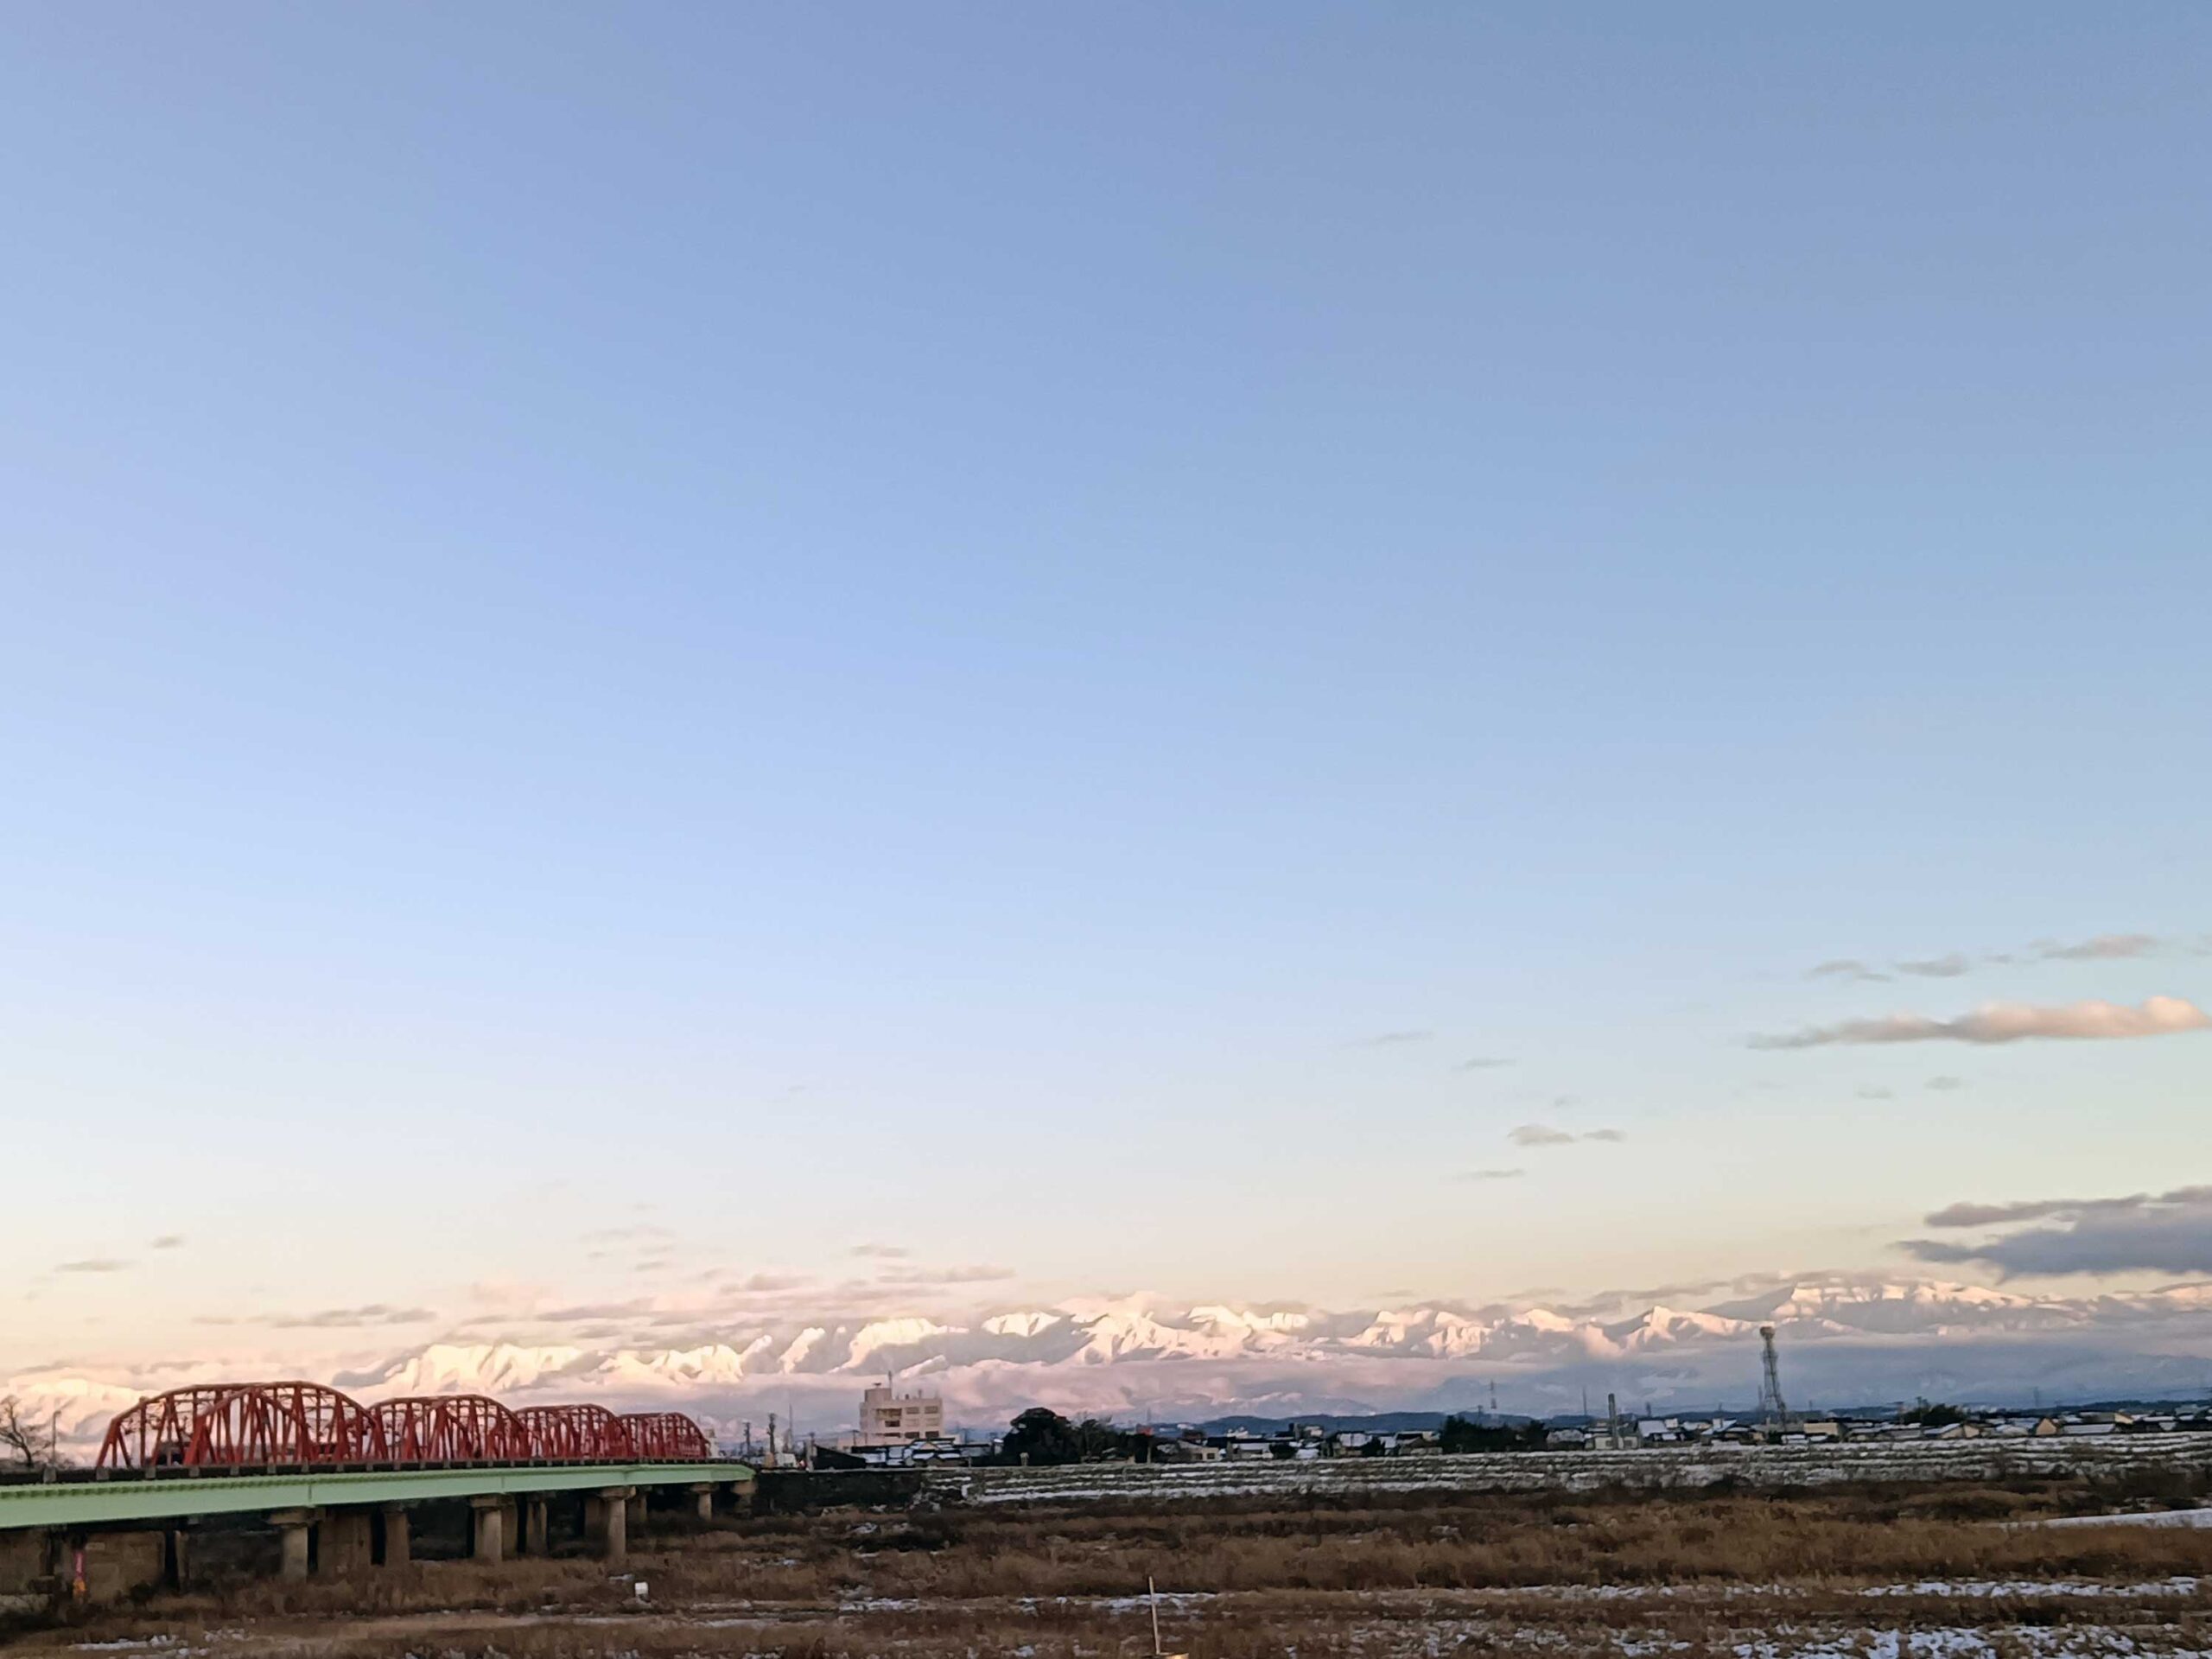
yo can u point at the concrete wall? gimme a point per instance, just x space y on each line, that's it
22 1567
36 1566
116 1563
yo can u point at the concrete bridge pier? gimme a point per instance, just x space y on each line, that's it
398 1544
294 1538
488 1529
606 1519
126 1535
345 1542
536 1526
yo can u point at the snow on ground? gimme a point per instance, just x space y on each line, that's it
1812 1641
1678 1467
1987 1589
1966 1641
2144 1518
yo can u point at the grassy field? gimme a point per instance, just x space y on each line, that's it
1676 1468
1875 1570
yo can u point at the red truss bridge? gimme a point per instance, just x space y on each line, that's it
268 1427
338 1481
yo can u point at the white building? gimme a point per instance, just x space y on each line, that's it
889 1419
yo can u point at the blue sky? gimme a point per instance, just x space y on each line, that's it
609 611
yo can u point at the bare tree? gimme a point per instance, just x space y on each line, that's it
21 1442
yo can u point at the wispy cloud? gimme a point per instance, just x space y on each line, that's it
328 1318
1948 967
1392 1038
1490 1175
883 1252
1991 1214
2166 1232
1481 1063
1538 1135
1849 968
1543 1134
168 1242
761 1283
1944 1085
94 1264
2007 1022
2106 947
581 1312
977 1274
504 1293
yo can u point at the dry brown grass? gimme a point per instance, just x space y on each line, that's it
1336 1577
1474 1542
1358 1629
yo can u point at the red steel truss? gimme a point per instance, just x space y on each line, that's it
575 1433
451 1428
246 1425
288 1425
666 1437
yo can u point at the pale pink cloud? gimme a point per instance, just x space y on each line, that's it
2008 1022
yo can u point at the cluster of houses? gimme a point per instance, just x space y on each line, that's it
1303 1441
1816 1430
903 1430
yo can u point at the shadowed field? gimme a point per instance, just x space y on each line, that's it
1889 1569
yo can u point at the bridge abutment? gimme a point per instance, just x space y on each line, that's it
29 1571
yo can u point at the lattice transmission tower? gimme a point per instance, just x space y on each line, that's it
1771 1409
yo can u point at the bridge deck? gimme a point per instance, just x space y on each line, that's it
173 1496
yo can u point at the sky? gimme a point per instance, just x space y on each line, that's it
970 651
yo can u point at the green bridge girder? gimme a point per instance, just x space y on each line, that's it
174 1497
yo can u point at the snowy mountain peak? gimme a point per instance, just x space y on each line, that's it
1842 1339
495 1368
1022 1325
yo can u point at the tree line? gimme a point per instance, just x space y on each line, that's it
1041 1437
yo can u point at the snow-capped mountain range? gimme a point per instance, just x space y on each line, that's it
1843 1341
